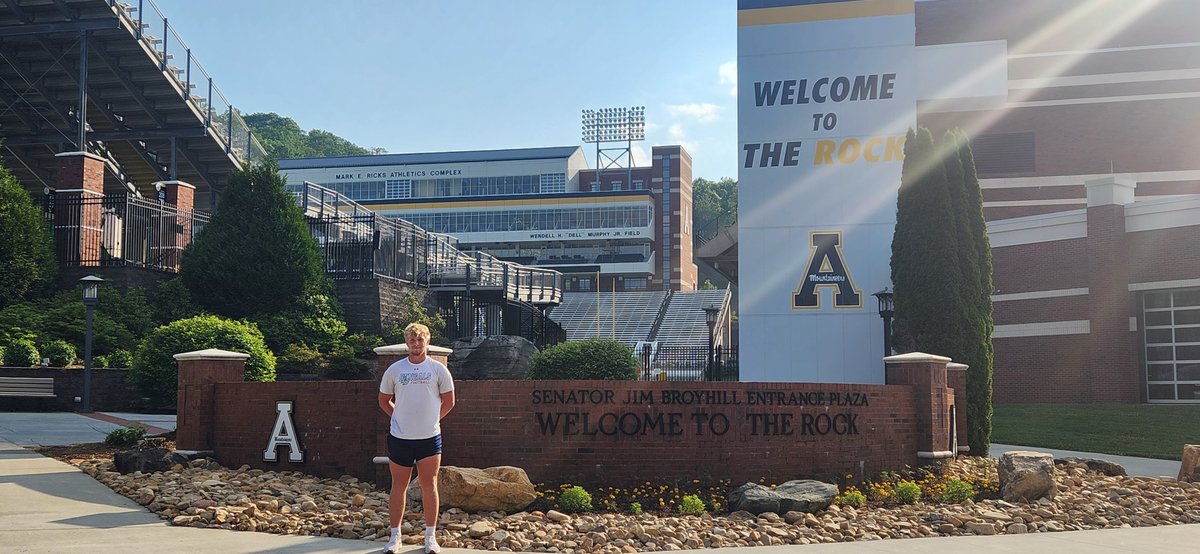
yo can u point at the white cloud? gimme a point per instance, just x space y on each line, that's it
728 75
702 113
676 131
679 136
641 158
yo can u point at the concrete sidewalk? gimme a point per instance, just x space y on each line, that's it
61 428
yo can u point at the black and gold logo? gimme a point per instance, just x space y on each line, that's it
826 268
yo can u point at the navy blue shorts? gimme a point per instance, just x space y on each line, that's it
407 452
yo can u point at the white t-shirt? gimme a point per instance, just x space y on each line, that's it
417 389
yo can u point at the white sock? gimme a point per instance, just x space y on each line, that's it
430 531
395 531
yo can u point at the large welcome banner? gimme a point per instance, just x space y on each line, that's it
826 92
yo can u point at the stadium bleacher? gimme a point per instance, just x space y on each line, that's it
631 317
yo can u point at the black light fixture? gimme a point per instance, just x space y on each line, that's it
711 315
885 311
91 285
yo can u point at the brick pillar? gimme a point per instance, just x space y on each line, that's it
77 208
1113 370
198 373
926 374
175 235
956 380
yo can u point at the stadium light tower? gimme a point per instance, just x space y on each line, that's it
613 131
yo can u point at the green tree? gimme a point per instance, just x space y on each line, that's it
256 257
27 265
942 304
283 138
978 297
925 269
714 207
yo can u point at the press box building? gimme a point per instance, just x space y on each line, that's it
620 229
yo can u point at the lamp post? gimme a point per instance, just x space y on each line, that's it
711 313
90 285
885 311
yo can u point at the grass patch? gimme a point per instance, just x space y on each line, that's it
1143 430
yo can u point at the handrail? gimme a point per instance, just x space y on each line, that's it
217 111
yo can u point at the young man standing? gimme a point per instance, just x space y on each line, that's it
416 392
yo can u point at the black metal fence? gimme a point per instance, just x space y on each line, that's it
469 316
120 230
688 363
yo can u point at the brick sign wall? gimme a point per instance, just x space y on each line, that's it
592 431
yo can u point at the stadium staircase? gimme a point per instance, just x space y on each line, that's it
152 113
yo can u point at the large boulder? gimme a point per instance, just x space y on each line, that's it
493 489
793 496
805 496
498 357
1026 476
1111 469
147 460
1189 468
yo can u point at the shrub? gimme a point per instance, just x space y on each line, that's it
300 359
173 301
907 492
852 498
635 508
60 352
342 365
957 491
26 247
21 353
100 361
316 321
575 499
691 505
120 358
155 373
596 359
125 436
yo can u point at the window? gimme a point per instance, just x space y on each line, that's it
1171 323
399 189
595 186
585 284
638 283
552 182
616 185
639 185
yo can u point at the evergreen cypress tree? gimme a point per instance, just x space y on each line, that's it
27 264
926 272
256 256
979 289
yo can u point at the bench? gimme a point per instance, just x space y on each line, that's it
27 386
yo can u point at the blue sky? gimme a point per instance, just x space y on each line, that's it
428 76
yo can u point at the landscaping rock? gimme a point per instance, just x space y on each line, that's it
497 357
147 460
1189 468
1106 467
805 496
1026 476
753 498
494 489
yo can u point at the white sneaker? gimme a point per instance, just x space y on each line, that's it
393 544
431 545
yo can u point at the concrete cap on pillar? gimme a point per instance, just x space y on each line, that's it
211 354
84 154
915 358
954 366
173 183
402 350
1109 190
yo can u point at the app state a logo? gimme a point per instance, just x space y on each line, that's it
826 269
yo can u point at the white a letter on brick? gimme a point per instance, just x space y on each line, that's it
284 433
